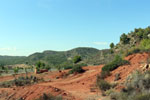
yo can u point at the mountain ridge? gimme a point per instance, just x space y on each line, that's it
51 57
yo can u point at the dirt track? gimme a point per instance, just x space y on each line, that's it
74 87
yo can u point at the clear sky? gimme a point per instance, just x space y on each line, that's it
28 26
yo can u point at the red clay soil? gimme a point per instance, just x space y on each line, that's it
73 87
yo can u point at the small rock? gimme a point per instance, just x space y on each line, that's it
57 90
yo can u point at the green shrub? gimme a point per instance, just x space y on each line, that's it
77 59
104 74
143 47
6 84
117 77
83 64
71 66
109 92
145 44
133 51
113 96
21 81
103 85
40 65
142 97
112 45
137 87
76 68
118 61
68 67
49 97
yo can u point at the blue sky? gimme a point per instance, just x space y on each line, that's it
28 26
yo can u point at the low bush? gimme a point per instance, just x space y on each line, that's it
132 51
76 68
21 81
109 92
71 66
104 74
6 84
143 47
118 61
49 97
103 85
117 77
145 44
68 67
142 97
137 87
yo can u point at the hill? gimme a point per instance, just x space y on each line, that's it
90 56
56 58
9 60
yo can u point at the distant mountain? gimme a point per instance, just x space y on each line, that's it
9 60
56 58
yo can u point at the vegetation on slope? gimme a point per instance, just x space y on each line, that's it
133 42
61 59
137 87
21 81
11 60
49 97
118 61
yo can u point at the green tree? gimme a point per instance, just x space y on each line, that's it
112 45
26 71
124 38
16 70
43 65
76 59
40 65
26 63
2 66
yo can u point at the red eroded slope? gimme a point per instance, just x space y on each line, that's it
136 60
